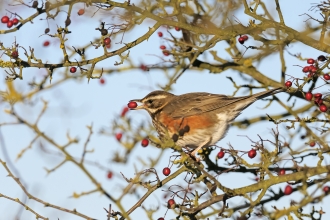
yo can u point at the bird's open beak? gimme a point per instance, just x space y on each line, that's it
139 106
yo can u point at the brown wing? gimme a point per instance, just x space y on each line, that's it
196 103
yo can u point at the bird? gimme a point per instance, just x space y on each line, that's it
195 120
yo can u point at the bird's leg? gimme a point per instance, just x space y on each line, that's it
205 143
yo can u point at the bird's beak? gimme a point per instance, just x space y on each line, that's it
139 106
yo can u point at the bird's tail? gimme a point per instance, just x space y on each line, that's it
267 93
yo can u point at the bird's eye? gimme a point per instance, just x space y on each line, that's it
150 101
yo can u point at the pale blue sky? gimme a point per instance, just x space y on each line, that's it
74 105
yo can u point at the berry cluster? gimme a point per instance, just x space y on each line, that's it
163 47
118 136
251 153
288 190
313 66
144 142
5 20
312 69
242 39
317 100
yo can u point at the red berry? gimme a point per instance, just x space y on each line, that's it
102 81
166 53
73 69
245 37
323 108
162 47
312 69
46 43
288 83
171 203
81 12
119 136
326 189
107 41
312 144
221 154
160 34
124 111
109 175
310 61
177 29
281 172
15 21
318 101
166 171
252 153
326 76
288 190
317 95
4 19
145 142
321 58
306 69
14 54
241 40
308 96
108 46
10 24
143 67
161 218
132 105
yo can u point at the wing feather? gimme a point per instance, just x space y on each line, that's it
197 103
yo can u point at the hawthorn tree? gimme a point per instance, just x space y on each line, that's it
51 48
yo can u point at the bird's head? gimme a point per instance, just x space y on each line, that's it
154 101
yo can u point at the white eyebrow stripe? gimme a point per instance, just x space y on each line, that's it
157 97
